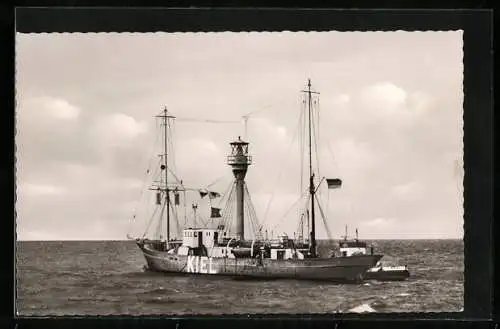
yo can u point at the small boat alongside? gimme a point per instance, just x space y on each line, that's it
351 247
387 273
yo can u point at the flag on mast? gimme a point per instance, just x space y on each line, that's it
215 213
333 183
213 195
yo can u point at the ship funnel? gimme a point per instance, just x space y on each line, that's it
239 160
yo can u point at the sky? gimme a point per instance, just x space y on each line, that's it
390 126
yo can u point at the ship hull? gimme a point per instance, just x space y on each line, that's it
337 269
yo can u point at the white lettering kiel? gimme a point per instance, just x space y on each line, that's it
196 264
211 270
190 267
203 265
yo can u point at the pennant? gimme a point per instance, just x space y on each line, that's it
213 195
333 182
177 199
203 194
215 213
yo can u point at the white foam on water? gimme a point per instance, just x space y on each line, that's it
363 308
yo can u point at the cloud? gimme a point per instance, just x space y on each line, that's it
117 128
385 98
407 190
47 108
35 190
379 222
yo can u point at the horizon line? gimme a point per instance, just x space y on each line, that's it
122 240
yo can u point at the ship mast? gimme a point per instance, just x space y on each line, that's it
312 188
165 116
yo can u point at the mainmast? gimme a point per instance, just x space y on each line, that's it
312 188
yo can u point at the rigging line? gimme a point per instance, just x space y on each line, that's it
330 235
318 141
228 207
163 206
253 224
233 209
256 218
280 174
225 196
185 208
175 210
248 220
174 216
255 221
174 175
215 182
206 120
230 211
253 214
157 234
315 142
170 146
288 211
328 201
150 222
301 141
148 171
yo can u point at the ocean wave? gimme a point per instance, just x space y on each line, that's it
159 300
363 308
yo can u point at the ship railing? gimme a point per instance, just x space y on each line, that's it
239 159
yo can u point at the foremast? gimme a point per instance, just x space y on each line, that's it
165 117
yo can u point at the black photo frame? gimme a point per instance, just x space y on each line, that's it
478 140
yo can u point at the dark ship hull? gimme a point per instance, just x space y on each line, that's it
336 269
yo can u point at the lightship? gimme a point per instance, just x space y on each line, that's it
224 249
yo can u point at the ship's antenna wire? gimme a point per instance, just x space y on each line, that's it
216 181
315 128
318 136
289 209
302 141
280 173
147 172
